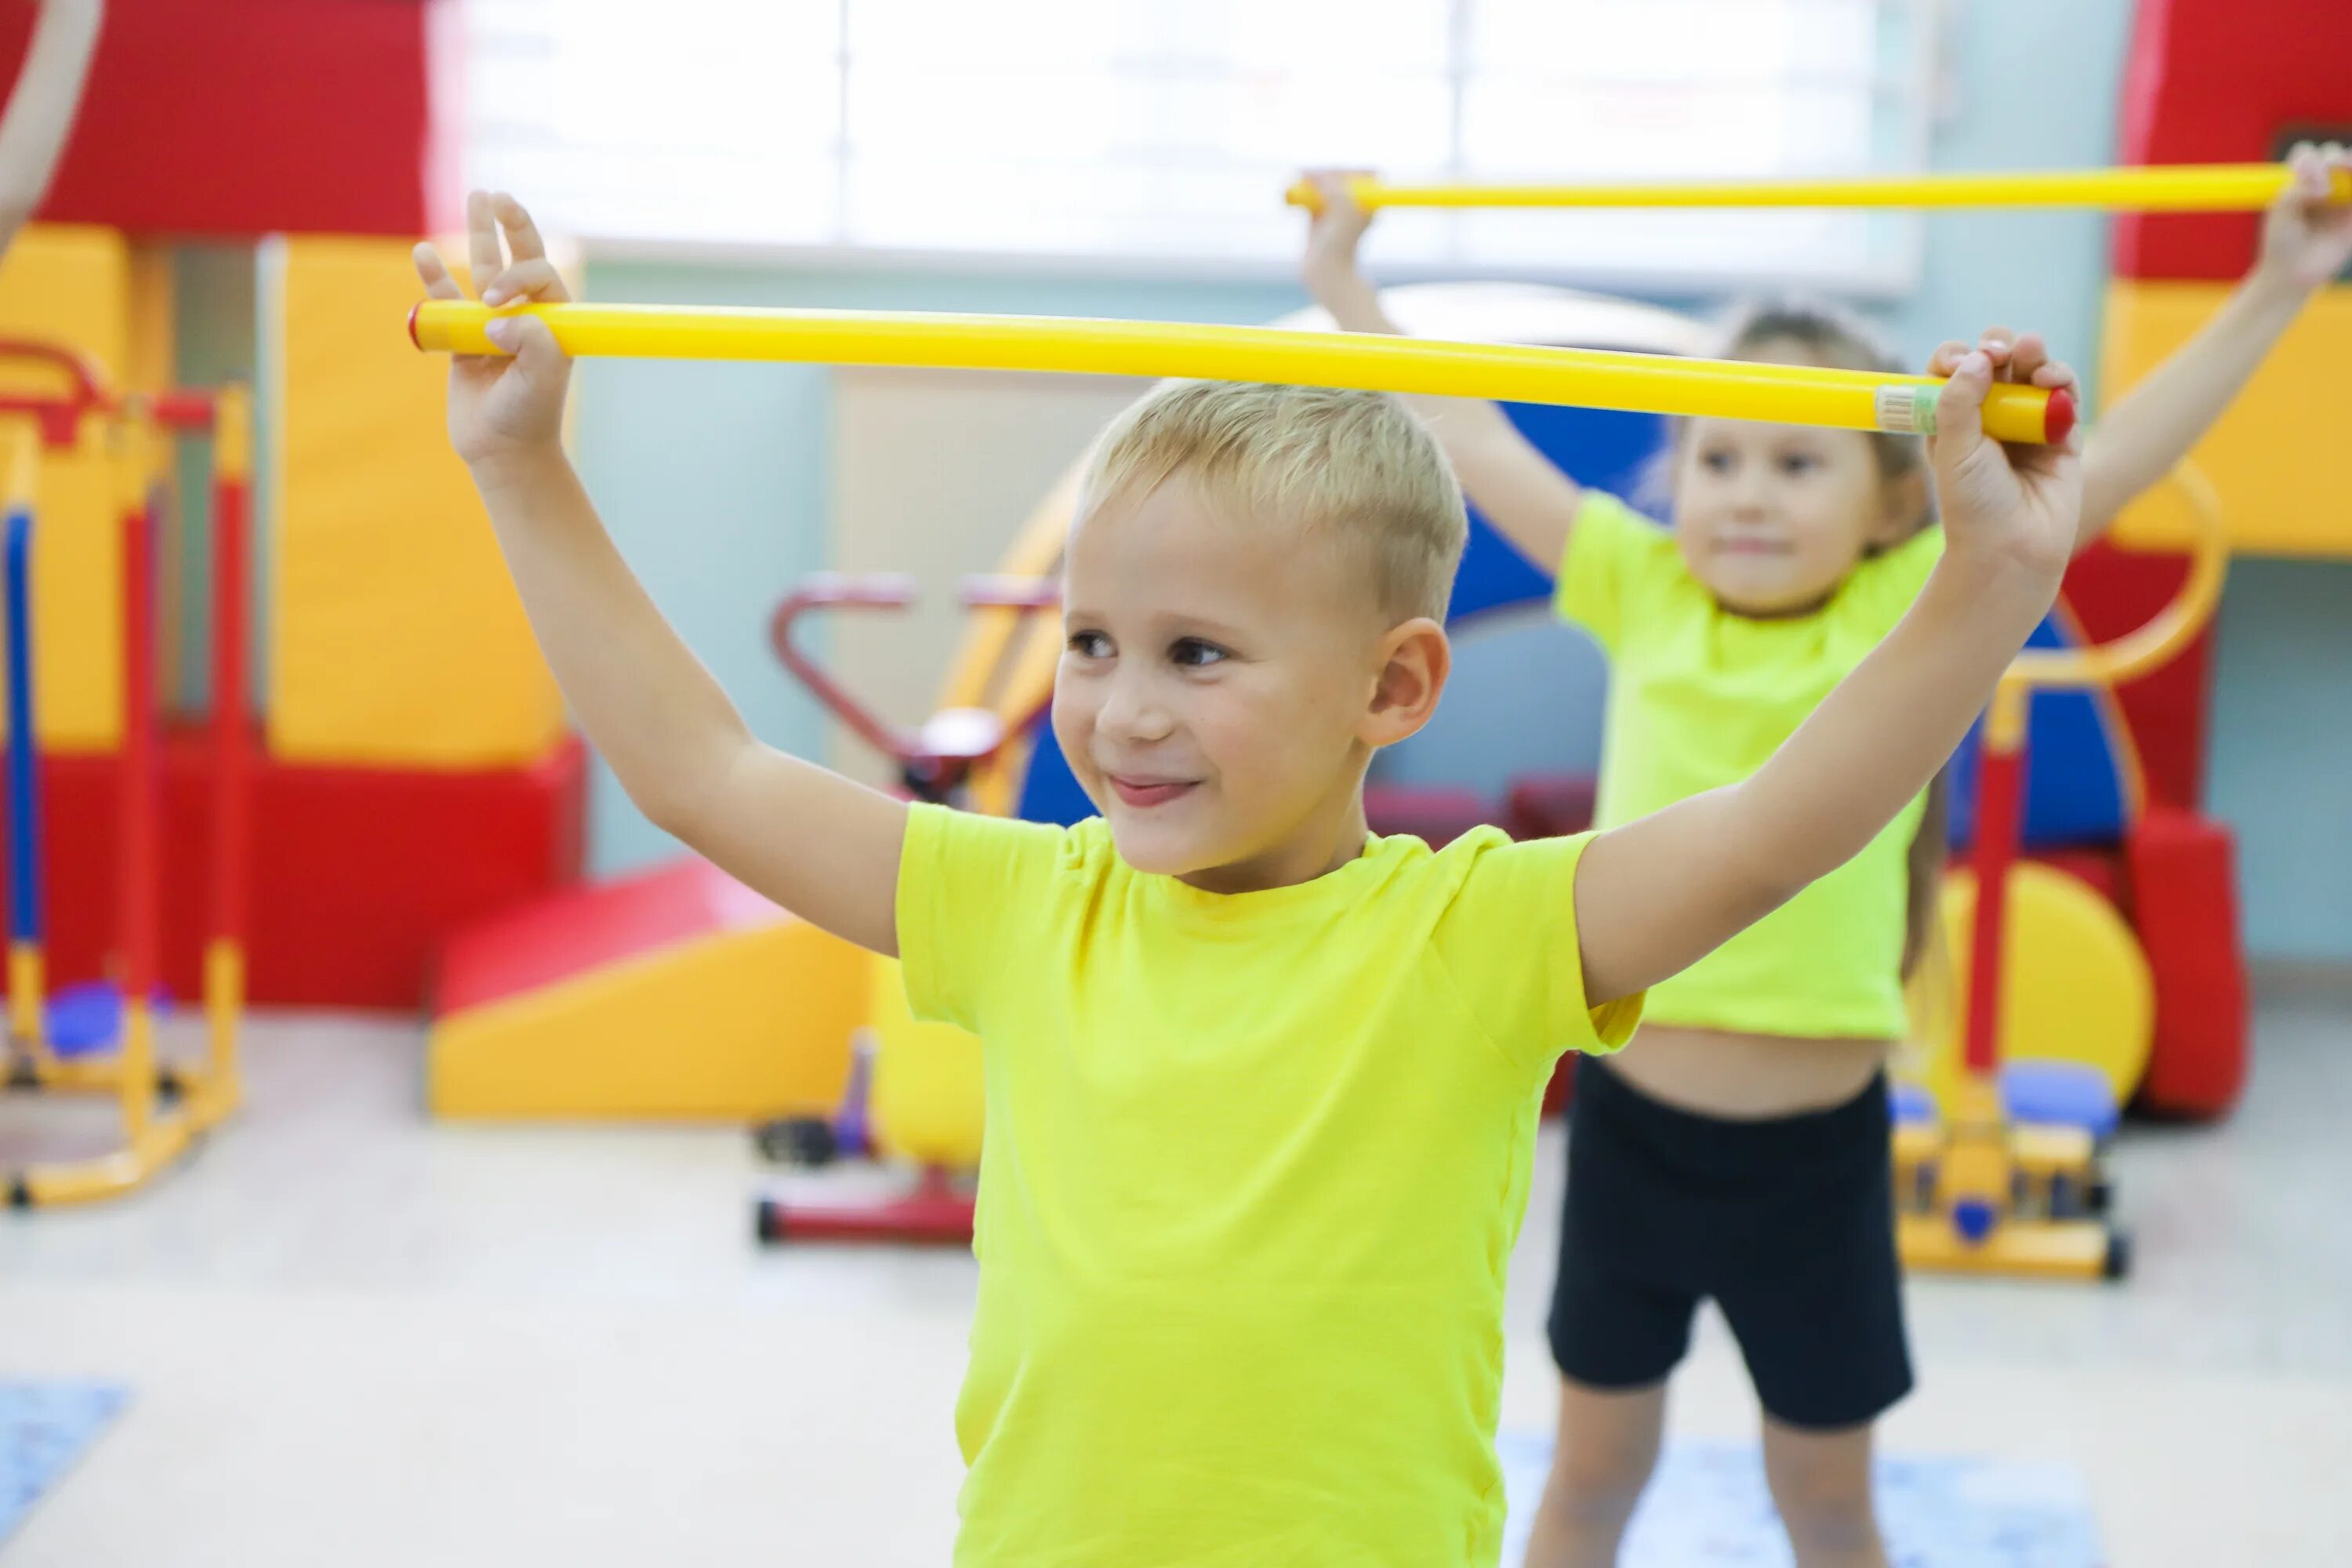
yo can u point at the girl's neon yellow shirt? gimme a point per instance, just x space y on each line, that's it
1699 698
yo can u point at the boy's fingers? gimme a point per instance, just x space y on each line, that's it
528 339
523 235
434 273
2054 373
482 239
1948 354
1960 420
525 280
2027 356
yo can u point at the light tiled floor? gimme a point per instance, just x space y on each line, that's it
356 1338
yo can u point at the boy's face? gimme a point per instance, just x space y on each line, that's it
1771 519
1221 688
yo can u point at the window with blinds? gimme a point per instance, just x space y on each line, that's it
1161 132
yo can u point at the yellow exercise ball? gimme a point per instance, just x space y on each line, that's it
2076 986
924 1097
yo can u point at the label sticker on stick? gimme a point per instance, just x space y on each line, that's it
1905 410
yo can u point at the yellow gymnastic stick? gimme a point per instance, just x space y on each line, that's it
2173 188
1592 378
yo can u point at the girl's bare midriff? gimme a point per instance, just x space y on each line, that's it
1747 1077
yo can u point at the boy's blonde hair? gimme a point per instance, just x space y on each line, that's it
1357 467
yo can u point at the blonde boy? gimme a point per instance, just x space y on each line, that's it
1262 1088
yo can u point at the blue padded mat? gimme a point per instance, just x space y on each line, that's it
1709 1506
44 1428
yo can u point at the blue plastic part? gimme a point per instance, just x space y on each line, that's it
1910 1104
2059 1094
87 1020
1049 791
24 784
1973 1218
84 1020
1605 448
853 1131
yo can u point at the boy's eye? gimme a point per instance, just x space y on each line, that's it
1715 462
1089 645
1194 654
1798 464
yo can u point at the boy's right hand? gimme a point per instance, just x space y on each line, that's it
2008 506
1335 229
512 405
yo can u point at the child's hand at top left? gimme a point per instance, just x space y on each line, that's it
2307 234
1334 231
509 406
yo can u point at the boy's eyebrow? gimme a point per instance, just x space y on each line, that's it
1188 622
1181 623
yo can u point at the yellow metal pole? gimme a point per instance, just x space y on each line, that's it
2176 188
225 964
1785 394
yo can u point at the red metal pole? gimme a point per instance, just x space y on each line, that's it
139 802
2000 783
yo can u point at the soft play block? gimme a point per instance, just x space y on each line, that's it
397 639
2184 908
73 287
1549 805
2275 457
2220 82
1438 816
675 994
247 117
358 874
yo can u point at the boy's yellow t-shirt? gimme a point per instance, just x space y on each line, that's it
1254 1168
1699 698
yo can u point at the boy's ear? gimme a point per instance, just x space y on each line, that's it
1415 659
1904 502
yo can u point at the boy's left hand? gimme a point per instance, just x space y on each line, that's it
2307 238
2015 504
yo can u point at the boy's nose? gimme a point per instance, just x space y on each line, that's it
1130 712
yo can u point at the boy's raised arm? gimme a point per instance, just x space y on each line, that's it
819 845
1655 895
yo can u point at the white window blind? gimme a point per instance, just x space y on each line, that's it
1162 131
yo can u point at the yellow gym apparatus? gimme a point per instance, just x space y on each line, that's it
2009 1177
100 1040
